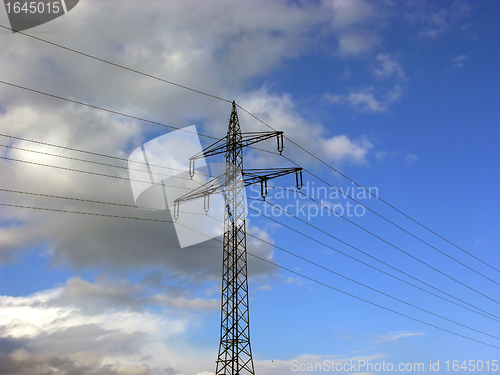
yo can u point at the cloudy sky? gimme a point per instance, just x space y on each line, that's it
398 96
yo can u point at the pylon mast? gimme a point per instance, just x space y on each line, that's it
235 353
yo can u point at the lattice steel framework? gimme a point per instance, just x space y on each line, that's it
235 353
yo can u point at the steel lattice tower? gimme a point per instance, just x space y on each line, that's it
235 354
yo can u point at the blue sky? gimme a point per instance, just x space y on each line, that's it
399 96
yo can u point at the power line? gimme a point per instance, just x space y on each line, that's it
371 303
82 213
354 296
364 285
85 152
98 163
243 109
489 316
396 225
157 123
100 174
79 199
369 287
200 92
87 172
120 113
116 65
401 250
257 238
328 234
102 109
265 260
144 182
124 205
363 188
350 221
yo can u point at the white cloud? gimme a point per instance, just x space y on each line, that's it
434 19
201 47
411 158
357 43
390 86
396 336
341 148
366 100
356 25
459 61
349 12
280 111
388 67
74 326
293 281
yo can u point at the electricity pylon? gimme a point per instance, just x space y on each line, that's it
235 353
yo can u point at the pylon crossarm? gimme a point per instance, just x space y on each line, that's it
215 185
248 139
252 176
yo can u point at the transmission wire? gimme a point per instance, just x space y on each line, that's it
243 109
450 277
301 275
186 189
363 188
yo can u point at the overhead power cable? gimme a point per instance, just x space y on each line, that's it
426 264
157 123
200 92
369 302
86 152
257 238
87 172
82 213
294 272
309 237
121 114
363 285
78 199
98 163
350 221
366 190
116 65
253 236
369 287
403 251
396 225
83 160
489 315
102 109
249 113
